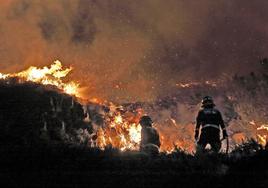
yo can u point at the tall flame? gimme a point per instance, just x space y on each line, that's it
119 133
261 132
262 135
47 76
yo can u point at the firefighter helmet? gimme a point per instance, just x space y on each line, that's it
207 101
145 121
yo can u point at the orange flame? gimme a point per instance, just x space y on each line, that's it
261 132
119 133
47 76
262 135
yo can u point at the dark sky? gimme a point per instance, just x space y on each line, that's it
132 50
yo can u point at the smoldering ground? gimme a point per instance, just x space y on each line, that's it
125 50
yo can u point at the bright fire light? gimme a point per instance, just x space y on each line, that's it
120 133
47 76
262 134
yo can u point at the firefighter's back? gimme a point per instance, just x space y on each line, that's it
150 136
209 116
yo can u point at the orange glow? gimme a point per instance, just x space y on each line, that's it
262 135
47 76
192 84
120 133
121 128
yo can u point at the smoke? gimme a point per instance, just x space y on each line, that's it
124 50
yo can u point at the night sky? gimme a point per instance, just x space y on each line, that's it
129 50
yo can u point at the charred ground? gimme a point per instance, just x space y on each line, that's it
30 158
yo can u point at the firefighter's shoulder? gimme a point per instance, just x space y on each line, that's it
208 111
200 115
201 111
216 111
151 130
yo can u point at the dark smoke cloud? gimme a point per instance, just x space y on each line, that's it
129 50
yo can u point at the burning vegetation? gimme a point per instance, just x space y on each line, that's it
47 76
108 125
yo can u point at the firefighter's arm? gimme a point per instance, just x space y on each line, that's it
197 127
223 128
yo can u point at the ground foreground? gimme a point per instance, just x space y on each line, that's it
61 165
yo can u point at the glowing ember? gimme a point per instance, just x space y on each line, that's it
47 76
192 84
252 122
187 85
263 127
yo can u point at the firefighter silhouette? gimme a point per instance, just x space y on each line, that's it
211 122
150 141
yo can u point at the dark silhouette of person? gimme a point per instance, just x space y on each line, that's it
210 120
150 141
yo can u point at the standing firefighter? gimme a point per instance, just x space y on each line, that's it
150 142
210 120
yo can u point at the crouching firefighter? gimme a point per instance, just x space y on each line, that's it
210 120
150 141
